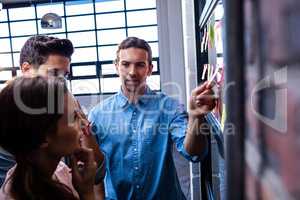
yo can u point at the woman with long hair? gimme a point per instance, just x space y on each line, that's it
39 125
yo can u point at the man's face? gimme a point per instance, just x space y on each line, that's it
55 65
133 68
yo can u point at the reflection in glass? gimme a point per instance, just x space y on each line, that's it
83 38
107 6
145 17
111 36
23 28
84 55
22 13
57 30
86 70
4 30
138 4
4 45
6 60
85 86
109 85
5 75
17 43
110 20
80 23
146 33
57 8
107 52
75 8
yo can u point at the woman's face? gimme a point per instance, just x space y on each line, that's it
68 132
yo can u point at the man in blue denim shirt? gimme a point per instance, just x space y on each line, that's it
136 129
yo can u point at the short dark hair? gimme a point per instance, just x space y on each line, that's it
135 43
37 49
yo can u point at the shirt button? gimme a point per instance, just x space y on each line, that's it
136 168
135 149
134 113
134 130
137 186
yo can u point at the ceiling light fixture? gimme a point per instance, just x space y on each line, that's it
51 20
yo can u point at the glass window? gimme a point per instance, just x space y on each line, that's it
57 8
110 20
107 6
5 75
155 68
4 30
86 70
23 28
144 17
107 52
2 86
111 36
61 35
17 43
83 38
16 59
6 60
85 86
154 48
19 72
57 30
108 69
84 55
109 85
3 15
4 45
146 33
80 23
138 4
76 8
22 13
153 82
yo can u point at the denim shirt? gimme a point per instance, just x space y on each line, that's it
137 140
7 161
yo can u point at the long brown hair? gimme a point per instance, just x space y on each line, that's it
21 133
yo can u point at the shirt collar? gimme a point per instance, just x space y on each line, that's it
123 100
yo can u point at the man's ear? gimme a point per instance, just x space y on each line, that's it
150 70
25 67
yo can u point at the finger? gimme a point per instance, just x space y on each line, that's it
199 89
85 155
74 167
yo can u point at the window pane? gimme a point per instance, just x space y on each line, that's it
88 70
4 30
3 15
111 36
61 36
107 53
57 8
136 4
22 13
84 55
108 69
144 17
110 20
57 30
146 33
154 48
2 86
23 28
5 75
85 86
4 45
155 68
153 82
16 59
110 85
5 60
80 23
75 8
106 6
83 38
18 43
